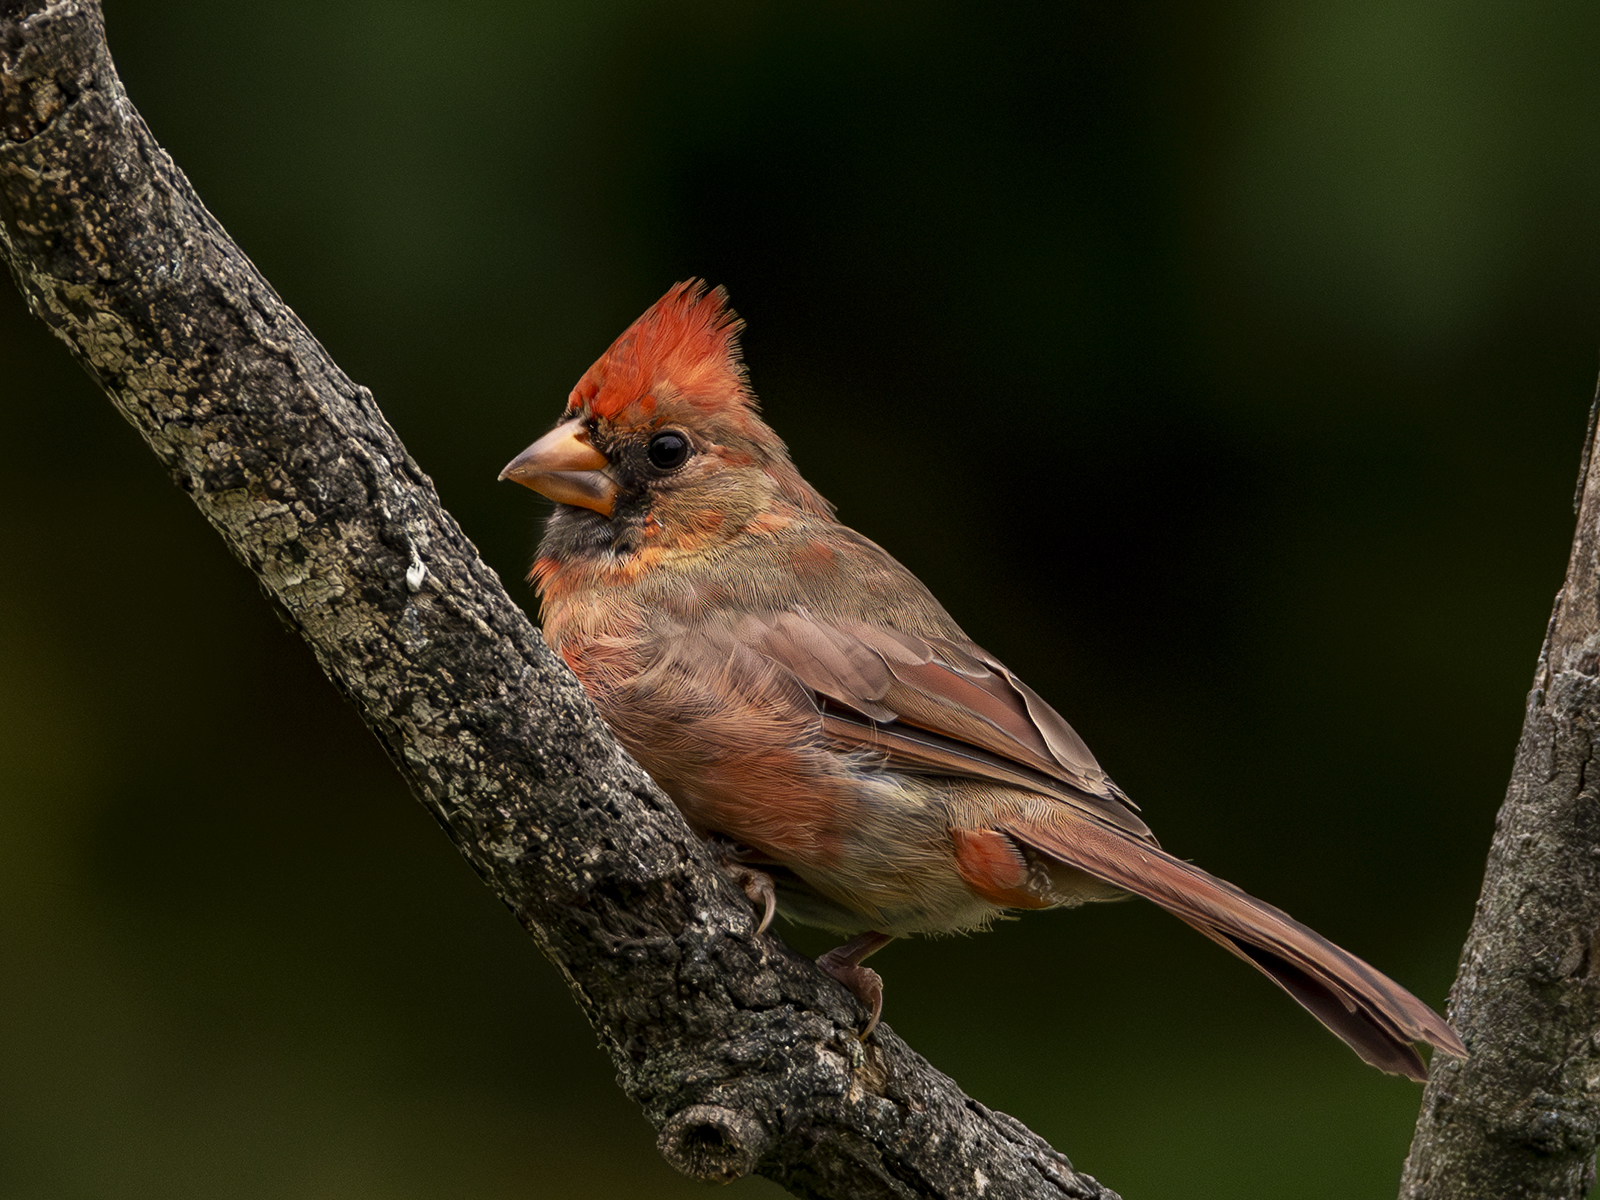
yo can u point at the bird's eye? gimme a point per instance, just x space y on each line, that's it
667 450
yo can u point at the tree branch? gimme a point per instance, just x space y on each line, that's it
1522 1115
743 1056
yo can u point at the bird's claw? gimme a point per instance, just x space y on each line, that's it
863 982
843 963
757 885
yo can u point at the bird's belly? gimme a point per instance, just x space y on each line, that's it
858 847
878 853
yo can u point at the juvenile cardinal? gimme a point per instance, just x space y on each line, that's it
807 702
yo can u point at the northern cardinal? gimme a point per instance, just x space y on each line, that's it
806 702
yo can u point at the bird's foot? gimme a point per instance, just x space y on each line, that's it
757 885
843 963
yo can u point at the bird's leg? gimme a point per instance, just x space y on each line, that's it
844 964
757 885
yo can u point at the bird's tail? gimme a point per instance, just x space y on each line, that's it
1376 1017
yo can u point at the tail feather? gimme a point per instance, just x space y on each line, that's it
1376 1017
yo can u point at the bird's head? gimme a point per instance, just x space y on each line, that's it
662 434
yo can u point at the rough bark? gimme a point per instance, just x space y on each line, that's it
743 1056
1521 1117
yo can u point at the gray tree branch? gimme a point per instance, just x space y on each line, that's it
1521 1117
743 1056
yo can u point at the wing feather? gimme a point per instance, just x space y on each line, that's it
936 705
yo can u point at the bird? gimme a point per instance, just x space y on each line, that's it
855 760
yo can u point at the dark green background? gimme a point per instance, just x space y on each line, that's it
1225 373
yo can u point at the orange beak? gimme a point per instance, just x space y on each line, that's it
564 466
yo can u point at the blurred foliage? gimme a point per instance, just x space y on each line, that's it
1225 370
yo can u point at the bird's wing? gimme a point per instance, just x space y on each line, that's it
936 705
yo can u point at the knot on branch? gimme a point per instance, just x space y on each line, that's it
713 1144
